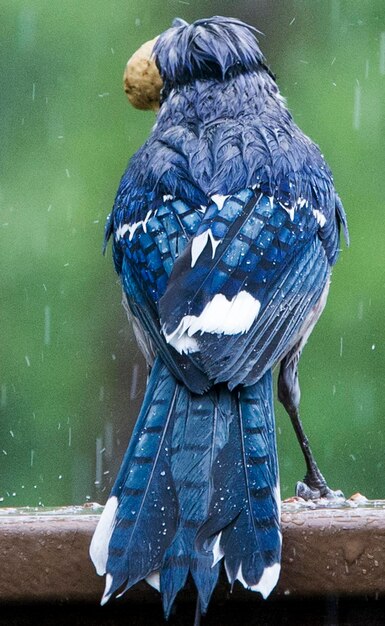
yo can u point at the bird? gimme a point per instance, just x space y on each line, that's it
225 229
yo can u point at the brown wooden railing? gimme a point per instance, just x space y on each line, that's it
326 551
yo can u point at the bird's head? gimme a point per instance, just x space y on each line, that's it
211 48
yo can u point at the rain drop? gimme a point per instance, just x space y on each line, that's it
382 53
3 396
99 461
357 106
47 325
134 381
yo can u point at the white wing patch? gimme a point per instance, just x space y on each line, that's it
290 211
199 243
184 343
301 202
102 536
131 228
220 316
219 200
321 219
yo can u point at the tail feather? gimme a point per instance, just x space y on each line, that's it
199 483
243 524
201 429
133 535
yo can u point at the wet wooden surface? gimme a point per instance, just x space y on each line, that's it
326 551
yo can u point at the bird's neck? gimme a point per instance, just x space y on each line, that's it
203 102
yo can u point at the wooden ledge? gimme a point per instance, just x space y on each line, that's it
326 550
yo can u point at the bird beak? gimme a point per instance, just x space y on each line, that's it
141 79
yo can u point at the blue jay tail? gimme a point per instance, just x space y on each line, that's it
198 484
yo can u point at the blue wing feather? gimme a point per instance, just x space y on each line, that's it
261 249
285 309
142 308
146 260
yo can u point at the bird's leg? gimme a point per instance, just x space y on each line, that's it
314 484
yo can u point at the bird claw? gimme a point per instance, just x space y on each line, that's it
313 488
302 490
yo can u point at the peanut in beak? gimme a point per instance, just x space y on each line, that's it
141 79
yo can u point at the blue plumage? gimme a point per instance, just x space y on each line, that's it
201 431
146 515
243 518
225 228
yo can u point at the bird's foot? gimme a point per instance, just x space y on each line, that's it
314 486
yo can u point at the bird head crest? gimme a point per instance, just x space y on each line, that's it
211 48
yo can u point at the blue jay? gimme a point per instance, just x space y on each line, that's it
225 228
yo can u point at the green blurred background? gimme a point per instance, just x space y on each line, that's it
71 375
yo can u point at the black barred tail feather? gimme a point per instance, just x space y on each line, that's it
243 524
199 482
141 514
201 430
